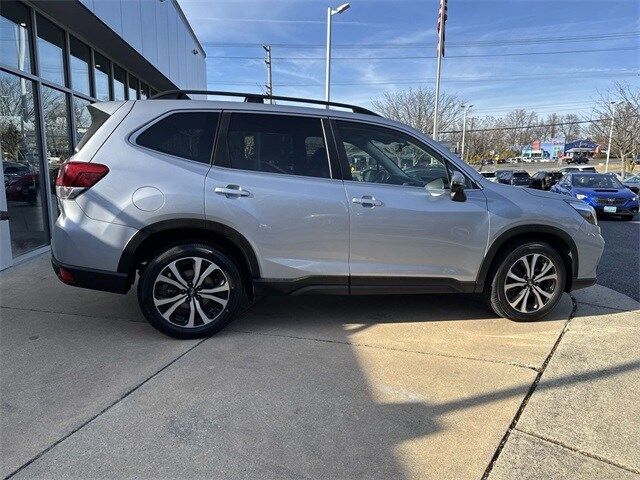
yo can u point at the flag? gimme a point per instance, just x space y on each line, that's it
442 19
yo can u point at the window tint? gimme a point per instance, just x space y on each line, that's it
277 144
187 135
50 51
382 155
15 41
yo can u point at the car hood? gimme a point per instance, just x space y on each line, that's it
604 192
545 194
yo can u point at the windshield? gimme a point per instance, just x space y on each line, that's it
595 181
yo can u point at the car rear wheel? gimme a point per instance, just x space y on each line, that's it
528 282
190 291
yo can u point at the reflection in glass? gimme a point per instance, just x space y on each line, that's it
21 163
50 51
133 87
56 128
119 83
82 117
101 73
79 64
15 24
144 91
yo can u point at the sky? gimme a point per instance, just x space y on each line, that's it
500 55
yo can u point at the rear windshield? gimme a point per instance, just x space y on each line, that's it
521 175
98 118
598 180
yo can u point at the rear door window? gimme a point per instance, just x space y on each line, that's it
187 135
284 144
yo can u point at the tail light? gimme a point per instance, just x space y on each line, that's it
76 177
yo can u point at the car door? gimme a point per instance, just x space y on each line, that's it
406 232
272 182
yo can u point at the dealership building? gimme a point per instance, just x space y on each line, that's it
56 57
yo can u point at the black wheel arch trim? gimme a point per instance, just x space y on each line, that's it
128 255
504 237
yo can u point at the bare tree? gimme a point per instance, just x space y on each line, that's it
626 126
415 107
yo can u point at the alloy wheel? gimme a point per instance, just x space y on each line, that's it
531 282
191 292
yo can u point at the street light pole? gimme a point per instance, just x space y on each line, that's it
330 13
613 114
464 127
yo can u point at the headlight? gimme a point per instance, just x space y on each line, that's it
580 196
634 199
586 211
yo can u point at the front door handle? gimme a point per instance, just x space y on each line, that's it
231 191
367 201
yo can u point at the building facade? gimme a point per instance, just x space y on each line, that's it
56 57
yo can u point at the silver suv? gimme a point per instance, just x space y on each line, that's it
211 200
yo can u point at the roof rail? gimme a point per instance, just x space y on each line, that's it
257 98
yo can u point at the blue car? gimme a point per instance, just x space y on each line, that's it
603 191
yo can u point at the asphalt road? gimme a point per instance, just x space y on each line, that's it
619 268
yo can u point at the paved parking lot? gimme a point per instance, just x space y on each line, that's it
313 387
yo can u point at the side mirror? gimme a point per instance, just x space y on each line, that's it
457 187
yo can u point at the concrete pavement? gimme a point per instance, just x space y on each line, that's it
308 387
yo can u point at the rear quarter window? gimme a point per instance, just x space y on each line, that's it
189 135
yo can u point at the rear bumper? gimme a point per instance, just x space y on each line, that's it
105 281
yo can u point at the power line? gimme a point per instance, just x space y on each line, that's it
538 125
421 57
474 43
514 77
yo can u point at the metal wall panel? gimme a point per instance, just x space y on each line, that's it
158 31
131 23
109 12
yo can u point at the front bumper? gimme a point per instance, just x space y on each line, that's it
113 282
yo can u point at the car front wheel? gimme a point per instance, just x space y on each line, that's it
528 282
190 291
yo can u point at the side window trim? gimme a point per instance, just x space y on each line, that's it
221 157
344 160
132 138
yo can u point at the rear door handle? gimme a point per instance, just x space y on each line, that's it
367 201
232 191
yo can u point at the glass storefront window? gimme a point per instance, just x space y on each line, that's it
101 72
133 87
50 51
144 91
15 43
119 83
56 128
80 60
81 116
21 164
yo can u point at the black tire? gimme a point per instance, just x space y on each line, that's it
222 310
497 295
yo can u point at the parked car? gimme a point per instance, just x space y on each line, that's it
487 161
578 169
544 180
204 202
491 176
603 191
21 182
577 159
519 178
632 183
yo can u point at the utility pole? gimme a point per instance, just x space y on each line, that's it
442 18
267 61
613 114
464 127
